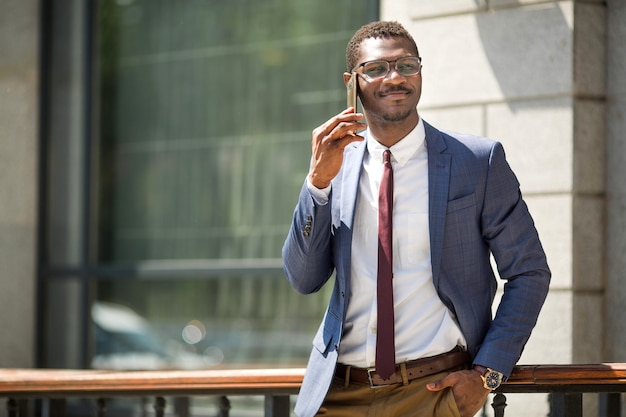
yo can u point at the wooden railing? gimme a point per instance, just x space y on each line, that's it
565 383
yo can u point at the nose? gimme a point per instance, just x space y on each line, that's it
393 76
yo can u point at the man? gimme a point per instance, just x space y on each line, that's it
455 202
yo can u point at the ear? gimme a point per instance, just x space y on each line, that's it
346 78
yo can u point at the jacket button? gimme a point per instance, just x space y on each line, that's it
307 226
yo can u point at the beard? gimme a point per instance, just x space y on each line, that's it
398 116
385 113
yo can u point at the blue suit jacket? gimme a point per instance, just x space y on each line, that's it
475 208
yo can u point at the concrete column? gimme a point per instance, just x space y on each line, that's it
588 180
615 333
19 117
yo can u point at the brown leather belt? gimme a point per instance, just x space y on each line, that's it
419 368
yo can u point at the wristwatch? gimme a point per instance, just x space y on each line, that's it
491 378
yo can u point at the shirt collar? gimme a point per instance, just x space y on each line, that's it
401 151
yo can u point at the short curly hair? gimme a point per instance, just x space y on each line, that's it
375 30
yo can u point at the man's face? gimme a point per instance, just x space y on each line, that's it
394 97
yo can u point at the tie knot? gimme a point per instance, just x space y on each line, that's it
386 156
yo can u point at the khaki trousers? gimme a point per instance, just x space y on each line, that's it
411 400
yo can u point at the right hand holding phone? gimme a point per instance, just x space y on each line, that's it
328 143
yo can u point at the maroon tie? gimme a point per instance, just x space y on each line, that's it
385 346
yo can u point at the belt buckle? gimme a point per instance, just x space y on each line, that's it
370 371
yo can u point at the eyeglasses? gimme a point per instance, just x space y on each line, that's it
405 66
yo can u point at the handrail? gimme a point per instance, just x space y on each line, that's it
565 382
54 382
545 377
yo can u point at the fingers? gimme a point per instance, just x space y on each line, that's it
467 388
346 123
328 143
446 382
338 132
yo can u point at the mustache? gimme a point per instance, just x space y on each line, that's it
397 89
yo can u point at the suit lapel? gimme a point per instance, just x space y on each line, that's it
353 161
438 185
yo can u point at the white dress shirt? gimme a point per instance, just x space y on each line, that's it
423 324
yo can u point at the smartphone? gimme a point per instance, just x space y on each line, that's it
351 89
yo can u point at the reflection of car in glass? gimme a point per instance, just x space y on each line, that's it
124 341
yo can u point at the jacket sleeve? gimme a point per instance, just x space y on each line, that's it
307 251
510 233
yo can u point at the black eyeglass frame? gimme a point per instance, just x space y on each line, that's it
388 64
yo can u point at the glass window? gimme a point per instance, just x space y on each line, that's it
205 111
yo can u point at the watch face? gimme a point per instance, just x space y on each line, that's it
492 379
